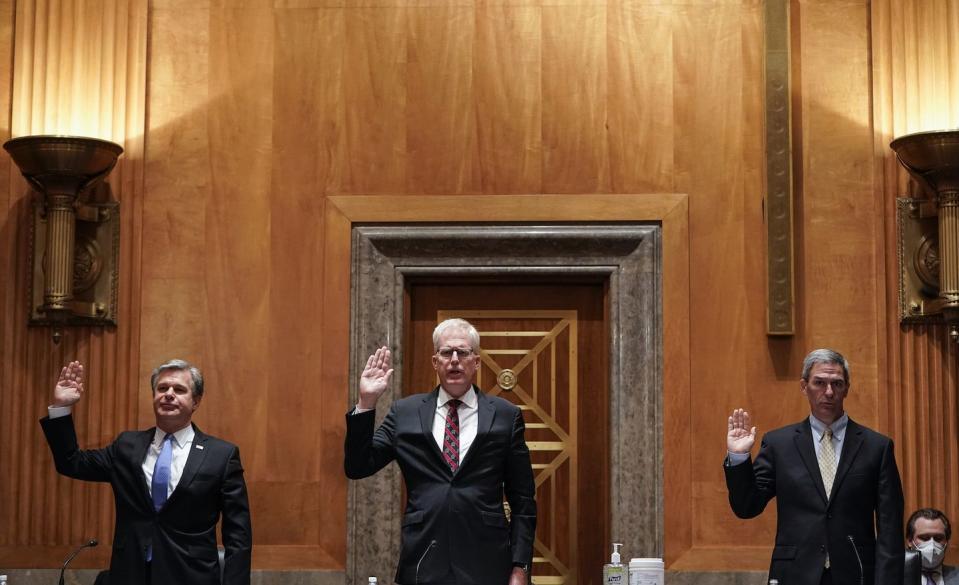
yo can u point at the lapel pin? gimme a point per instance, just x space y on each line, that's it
199 446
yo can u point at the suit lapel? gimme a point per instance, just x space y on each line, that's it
803 442
484 418
850 448
140 454
194 461
427 414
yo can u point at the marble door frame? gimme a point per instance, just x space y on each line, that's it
626 251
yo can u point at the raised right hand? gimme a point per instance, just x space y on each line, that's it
740 437
375 377
69 388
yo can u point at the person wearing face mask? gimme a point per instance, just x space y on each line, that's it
928 531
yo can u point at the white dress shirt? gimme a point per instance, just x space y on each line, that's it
468 415
182 442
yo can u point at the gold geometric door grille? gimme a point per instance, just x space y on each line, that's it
529 358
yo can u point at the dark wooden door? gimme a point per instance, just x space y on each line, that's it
544 348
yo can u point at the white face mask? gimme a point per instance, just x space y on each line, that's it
932 553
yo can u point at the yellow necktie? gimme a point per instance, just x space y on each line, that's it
827 461
827 466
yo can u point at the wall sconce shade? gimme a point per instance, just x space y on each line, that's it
74 242
929 229
932 158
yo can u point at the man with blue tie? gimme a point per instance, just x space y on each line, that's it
171 484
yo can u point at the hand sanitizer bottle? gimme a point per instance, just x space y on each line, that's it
614 572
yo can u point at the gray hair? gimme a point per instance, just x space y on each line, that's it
180 366
824 356
458 325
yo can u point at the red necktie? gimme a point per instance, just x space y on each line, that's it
451 436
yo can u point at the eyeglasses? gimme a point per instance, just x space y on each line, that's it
820 384
462 352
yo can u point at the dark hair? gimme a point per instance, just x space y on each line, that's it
179 366
928 514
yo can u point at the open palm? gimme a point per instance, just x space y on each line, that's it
375 377
69 388
740 436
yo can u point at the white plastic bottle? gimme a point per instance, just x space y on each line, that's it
3 580
615 572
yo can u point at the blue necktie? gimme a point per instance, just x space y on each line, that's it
161 473
161 479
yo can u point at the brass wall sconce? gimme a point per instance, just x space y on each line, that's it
928 229
74 241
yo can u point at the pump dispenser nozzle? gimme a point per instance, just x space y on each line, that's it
615 558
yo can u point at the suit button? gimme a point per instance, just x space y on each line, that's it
822 548
829 516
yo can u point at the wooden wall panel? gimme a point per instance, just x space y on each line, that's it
641 97
375 54
259 111
915 86
707 114
12 212
574 80
508 96
301 494
440 122
77 69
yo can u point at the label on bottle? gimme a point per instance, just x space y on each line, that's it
615 575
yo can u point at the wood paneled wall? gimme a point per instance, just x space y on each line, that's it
78 68
916 88
258 110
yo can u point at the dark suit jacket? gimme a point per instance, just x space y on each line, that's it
183 532
866 504
462 512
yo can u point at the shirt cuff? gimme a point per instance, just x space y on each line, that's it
736 458
59 411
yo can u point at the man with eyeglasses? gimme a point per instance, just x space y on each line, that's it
460 452
838 493
928 531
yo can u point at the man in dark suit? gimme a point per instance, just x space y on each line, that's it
170 483
459 451
928 531
838 494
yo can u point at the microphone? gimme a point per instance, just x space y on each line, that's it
416 577
852 542
92 543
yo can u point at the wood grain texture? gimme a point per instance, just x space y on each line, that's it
575 148
915 84
274 126
80 69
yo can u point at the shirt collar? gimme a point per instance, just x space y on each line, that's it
469 399
838 427
180 438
